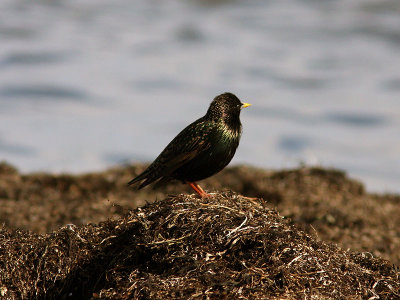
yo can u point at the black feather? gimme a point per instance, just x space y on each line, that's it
200 150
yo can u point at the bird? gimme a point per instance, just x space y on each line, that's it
200 150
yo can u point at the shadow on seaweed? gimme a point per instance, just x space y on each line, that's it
86 279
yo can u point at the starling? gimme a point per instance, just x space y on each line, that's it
200 150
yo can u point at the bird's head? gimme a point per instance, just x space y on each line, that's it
226 107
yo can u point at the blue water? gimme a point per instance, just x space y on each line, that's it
89 84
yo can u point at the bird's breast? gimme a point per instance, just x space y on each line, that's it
224 143
228 134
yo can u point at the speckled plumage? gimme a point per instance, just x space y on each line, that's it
202 149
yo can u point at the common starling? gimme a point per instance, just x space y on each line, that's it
200 150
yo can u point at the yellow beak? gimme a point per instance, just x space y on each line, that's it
244 105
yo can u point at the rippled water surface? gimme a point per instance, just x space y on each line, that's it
89 84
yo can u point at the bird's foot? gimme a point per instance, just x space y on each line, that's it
198 190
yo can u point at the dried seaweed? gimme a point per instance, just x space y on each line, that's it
183 247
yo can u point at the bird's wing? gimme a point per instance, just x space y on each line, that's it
183 148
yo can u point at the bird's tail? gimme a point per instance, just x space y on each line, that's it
138 179
146 176
134 180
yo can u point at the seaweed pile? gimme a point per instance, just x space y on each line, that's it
311 233
183 247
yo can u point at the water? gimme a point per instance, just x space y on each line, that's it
89 84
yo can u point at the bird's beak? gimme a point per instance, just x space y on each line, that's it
244 105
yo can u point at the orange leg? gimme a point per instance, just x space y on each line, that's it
198 189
